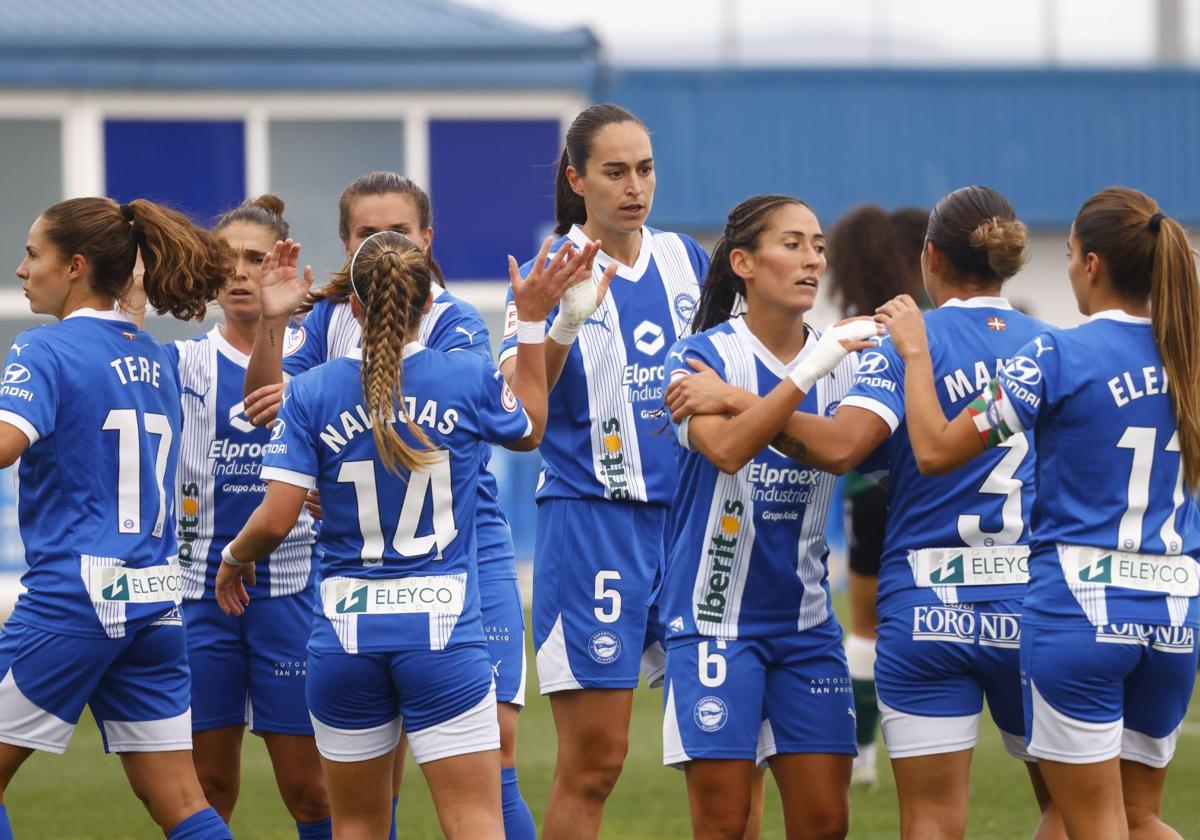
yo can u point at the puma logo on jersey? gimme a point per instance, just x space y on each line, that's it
17 348
470 335
191 392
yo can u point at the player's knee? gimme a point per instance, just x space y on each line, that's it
723 824
828 824
307 800
220 791
596 774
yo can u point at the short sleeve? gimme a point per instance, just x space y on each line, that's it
290 456
1032 382
502 418
306 346
698 257
676 367
31 386
461 327
879 384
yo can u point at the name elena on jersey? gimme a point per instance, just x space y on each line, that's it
353 422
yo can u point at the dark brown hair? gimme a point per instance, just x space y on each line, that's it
875 256
722 286
1148 255
265 211
978 231
390 276
185 265
569 207
380 182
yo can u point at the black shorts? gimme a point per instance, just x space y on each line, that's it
866 516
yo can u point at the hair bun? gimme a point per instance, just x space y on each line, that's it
1004 242
269 202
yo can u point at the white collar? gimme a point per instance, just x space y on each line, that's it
981 302
436 291
410 349
1119 315
631 273
772 362
226 349
102 314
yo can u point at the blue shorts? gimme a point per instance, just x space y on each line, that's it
504 630
933 668
250 669
595 566
755 698
137 687
444 700
1093 694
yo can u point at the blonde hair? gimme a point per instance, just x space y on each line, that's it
390 277
1148 254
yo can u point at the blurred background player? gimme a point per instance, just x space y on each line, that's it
1108 647
375 202
609 470
91 408
247 669
749 623
398 634
873 256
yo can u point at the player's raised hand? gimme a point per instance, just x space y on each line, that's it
536 295
905 324
282 287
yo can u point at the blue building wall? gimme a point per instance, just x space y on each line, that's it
1046 138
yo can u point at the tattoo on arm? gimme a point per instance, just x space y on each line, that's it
793 448
271 337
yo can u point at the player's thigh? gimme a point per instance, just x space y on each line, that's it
276 634
719 796
814 789
219 663
929 697
447 701
594 573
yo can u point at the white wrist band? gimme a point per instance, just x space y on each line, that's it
563 332
228 559
531 332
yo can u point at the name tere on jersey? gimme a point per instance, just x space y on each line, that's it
136 369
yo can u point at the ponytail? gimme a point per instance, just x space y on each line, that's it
569 207
185 265
722 286
390 276
1175 308
1148 256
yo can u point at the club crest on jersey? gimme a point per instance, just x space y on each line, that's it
684 306
648 337
294 340
604 647
710 713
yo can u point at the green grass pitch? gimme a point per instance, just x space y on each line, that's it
83 795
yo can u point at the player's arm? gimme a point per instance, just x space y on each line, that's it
263 532
13 444
939 446
579 299
280 293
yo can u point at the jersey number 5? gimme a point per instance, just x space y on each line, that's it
433 481
125 422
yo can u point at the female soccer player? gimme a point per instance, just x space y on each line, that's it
398 634
387 201
755 666
247 669
609 469
1108 653
953 571
873 256
91 408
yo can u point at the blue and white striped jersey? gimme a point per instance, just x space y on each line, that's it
963 537
331 332
746 552
1115 535
397 565
218 486
100 406
604 433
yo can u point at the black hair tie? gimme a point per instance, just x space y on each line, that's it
126 213
1155 222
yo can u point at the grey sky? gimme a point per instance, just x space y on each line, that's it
865 32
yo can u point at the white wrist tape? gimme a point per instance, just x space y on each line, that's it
829 352
562 331
228 559
531 332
